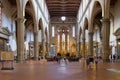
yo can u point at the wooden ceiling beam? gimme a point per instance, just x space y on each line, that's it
63 10
49 7
63 1
62 5
63 15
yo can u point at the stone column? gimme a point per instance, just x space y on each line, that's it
20 39
117 47
83 47
46 45
105 38
66 42
43 48
60 43
36 45
47 49
90 43
78 48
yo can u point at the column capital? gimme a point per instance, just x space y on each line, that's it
78 42
105 20
21 19
43 39
47 43
83 38
36 33
90 33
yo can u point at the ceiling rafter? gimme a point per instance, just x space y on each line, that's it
63 7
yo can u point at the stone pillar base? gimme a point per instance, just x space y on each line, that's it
106 60
36 58
20 61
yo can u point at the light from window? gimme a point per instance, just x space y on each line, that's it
63 37
63 18
68 40
63 41
58 42
73 31
53 31
40 36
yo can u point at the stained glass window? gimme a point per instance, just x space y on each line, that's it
58 42
53 31
68 39
73 31
63 41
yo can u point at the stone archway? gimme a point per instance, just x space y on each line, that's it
84 46
42 37
97 7
21 6
96 27
79 52
97 37
104 22
63 40
117 34
46 42
30 26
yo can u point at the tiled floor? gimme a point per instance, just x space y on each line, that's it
35 70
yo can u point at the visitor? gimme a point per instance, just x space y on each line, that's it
87 62
66 60
110 58
96 62
91 61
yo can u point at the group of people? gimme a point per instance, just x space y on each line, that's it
64 60
90 61
113 58
60 59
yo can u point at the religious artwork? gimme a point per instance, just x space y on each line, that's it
2 46
7 56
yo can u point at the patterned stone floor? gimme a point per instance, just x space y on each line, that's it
36 70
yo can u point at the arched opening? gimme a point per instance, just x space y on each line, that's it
79 43
46 42
117 34
97 29
97 37
28 34
40 37
114 40
63 41
85 32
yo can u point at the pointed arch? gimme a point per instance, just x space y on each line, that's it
46 33
34 16
80 32
117 32
85 23
40 24
97 8
40 27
